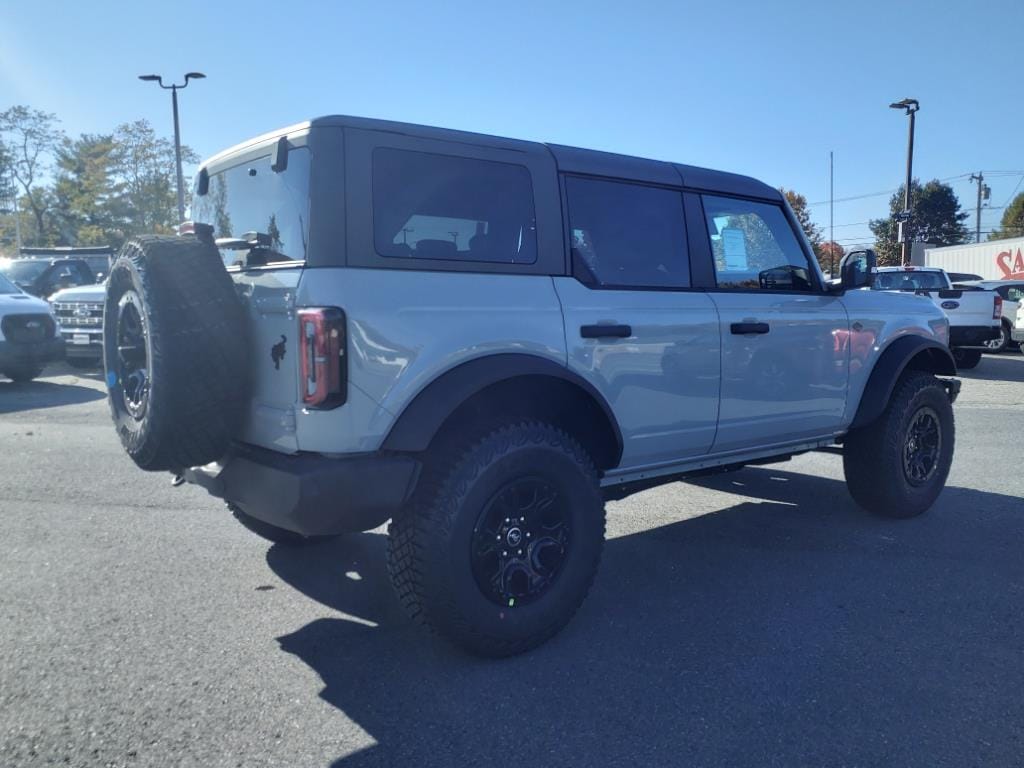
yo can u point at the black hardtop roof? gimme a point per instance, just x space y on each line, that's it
577 160
568 159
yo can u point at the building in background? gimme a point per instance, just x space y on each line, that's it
993 260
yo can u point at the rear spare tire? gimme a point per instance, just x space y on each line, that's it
175 352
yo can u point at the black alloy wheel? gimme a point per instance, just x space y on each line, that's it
922 447
133 355
520 542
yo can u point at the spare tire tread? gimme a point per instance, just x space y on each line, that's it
198 351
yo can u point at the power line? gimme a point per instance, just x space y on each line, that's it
1014 193
891 191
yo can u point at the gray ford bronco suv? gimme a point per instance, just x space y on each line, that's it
482 340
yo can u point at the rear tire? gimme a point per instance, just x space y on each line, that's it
897 466
175 352
22 373
966 359
502 539
999 345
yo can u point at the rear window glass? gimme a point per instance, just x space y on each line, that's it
250 204
442 207
909 281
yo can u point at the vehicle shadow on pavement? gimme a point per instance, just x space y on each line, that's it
34 395
788 629
1005 367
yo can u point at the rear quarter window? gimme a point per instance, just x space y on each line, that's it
448 208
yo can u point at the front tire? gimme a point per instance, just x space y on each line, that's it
897 466
502 540
22 373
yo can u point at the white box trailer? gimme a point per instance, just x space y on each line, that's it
994 260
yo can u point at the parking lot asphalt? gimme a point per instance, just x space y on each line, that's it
755 618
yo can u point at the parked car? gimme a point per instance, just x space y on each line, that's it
29 337
97 257
975 315
80 313
1012 292
962 277
1017 333
44 277
483 339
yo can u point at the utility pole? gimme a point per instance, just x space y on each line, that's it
911 106
983 193
831 220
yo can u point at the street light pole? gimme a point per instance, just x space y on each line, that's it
177 155
177 131
911 106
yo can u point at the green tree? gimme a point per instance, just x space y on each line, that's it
88 209
830 253
799 205
1012 223
936 219
31 136
144 163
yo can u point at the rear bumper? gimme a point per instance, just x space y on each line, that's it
39 353
308 493
972 335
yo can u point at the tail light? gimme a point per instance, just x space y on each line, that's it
322 352
997 307
186 228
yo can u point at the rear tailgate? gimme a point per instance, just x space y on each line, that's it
269 296
969 306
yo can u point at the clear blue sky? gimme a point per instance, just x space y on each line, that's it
765 89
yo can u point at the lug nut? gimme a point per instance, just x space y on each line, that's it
504 554
527 534
520 552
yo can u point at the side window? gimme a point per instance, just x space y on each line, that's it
251 204
626 234
754 246
428 206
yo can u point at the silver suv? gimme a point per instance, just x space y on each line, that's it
482 340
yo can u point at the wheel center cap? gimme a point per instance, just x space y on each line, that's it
514 537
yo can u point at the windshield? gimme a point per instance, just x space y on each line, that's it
7 287
910 281
25 271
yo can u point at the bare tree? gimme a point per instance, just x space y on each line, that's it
30 136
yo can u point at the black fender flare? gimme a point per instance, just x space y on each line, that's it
933 356
420 420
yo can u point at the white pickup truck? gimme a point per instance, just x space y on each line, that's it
975 316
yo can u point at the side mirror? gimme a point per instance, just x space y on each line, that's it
857 269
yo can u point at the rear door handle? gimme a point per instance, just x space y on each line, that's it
605 331
741 328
